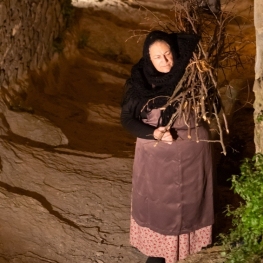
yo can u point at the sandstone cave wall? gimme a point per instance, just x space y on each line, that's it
29 35
258 85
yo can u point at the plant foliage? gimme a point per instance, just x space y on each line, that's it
245 241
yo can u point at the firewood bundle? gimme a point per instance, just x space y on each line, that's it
217 52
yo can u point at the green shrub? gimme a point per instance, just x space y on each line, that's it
245 240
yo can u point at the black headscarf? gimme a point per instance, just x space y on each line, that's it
144 76
146 82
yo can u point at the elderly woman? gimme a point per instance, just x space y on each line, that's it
172 202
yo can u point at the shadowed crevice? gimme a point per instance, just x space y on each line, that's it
41 199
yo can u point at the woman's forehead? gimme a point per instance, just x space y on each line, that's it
159 45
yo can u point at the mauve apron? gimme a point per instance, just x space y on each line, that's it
173 184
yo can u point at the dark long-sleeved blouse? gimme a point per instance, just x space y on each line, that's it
131 121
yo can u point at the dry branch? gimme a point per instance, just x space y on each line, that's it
217 50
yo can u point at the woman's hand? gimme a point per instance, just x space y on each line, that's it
163 135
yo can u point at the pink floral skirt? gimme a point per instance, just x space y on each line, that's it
172 248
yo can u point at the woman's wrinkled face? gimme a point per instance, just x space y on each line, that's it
161 56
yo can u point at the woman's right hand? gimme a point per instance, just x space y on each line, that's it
163 135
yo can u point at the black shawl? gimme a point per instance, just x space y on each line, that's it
144 76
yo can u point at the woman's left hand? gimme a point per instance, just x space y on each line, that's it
162 134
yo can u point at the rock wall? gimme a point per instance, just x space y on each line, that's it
258 85
30 33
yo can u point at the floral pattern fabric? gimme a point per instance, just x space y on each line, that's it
172 248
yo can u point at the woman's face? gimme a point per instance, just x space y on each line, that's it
161 56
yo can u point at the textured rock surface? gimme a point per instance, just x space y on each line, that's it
28 30
63 206
71 203
258 85
35 128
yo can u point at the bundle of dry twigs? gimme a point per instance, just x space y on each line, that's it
217 51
